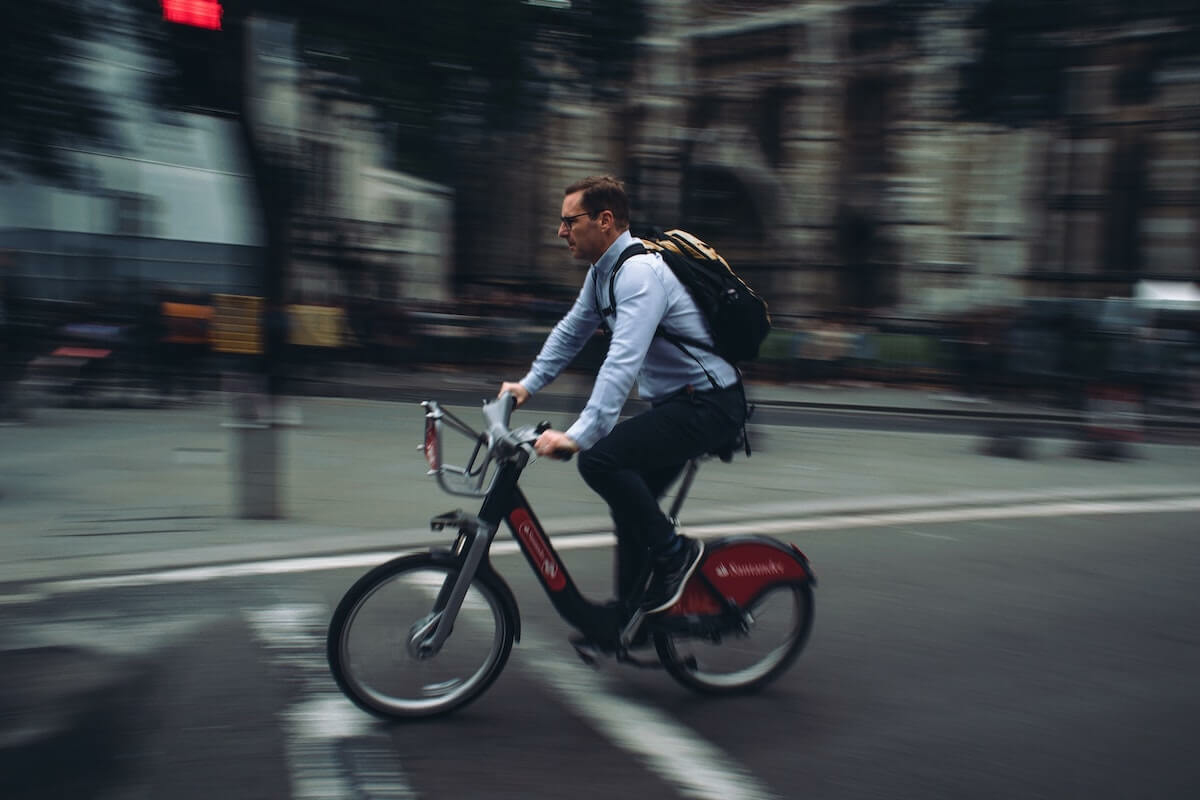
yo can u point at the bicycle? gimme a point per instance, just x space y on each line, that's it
389 643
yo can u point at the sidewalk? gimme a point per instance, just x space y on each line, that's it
109 490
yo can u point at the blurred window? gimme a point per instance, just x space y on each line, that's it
1080 166
134 215
1179 85
1175 163
1169 244
718 205
1089 89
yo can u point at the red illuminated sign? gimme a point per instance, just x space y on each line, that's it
200 13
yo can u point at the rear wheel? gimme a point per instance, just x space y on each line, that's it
743 661
376 635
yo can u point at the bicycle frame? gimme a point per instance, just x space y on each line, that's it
502 500
721 587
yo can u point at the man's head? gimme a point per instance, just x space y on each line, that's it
595 211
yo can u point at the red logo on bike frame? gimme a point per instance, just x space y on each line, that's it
538 549
741 571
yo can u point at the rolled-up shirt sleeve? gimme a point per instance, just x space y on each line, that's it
641 301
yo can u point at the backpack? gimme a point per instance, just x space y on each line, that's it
737 317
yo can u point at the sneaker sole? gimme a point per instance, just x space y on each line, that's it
682 584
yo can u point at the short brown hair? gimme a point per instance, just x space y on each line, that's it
603 193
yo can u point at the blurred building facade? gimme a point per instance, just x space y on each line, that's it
358 228
819 146
171 204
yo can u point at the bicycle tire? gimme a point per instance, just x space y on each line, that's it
368 640
699 663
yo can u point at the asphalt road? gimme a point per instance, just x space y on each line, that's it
1022 652
985 626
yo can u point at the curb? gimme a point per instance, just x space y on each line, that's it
559 402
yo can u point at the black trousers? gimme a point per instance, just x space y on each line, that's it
634 464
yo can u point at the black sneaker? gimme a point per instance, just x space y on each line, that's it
671 575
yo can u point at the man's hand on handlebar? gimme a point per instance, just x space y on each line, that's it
555 444
519 392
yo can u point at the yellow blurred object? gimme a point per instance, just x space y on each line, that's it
235 324
317 326
186 323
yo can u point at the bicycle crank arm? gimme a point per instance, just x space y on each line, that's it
632 629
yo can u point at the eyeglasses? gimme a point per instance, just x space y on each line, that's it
570 221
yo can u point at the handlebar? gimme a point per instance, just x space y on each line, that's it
496 444
497 413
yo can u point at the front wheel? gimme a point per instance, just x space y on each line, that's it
778 621
375 639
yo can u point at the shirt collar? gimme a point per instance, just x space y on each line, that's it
605 264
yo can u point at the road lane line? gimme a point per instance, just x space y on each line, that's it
333 749
924 535
590 540
693 765
936 515
674 753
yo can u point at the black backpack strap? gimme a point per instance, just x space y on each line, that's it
635 249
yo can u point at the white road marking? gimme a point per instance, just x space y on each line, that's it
22 598
924 535
333 749
676 754
591 540
696 767
120 636
935 515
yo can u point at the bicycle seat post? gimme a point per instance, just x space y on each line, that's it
689 475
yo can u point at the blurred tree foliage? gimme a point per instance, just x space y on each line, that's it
44 107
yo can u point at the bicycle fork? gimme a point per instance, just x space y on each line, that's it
428 634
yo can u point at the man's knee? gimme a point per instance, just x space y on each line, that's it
596 464
590 464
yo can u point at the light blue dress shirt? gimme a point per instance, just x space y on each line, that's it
647 295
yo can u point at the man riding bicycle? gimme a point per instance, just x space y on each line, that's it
697 402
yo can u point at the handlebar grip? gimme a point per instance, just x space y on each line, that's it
497 414
562 454
508 401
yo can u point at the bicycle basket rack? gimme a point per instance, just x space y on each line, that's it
467 481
